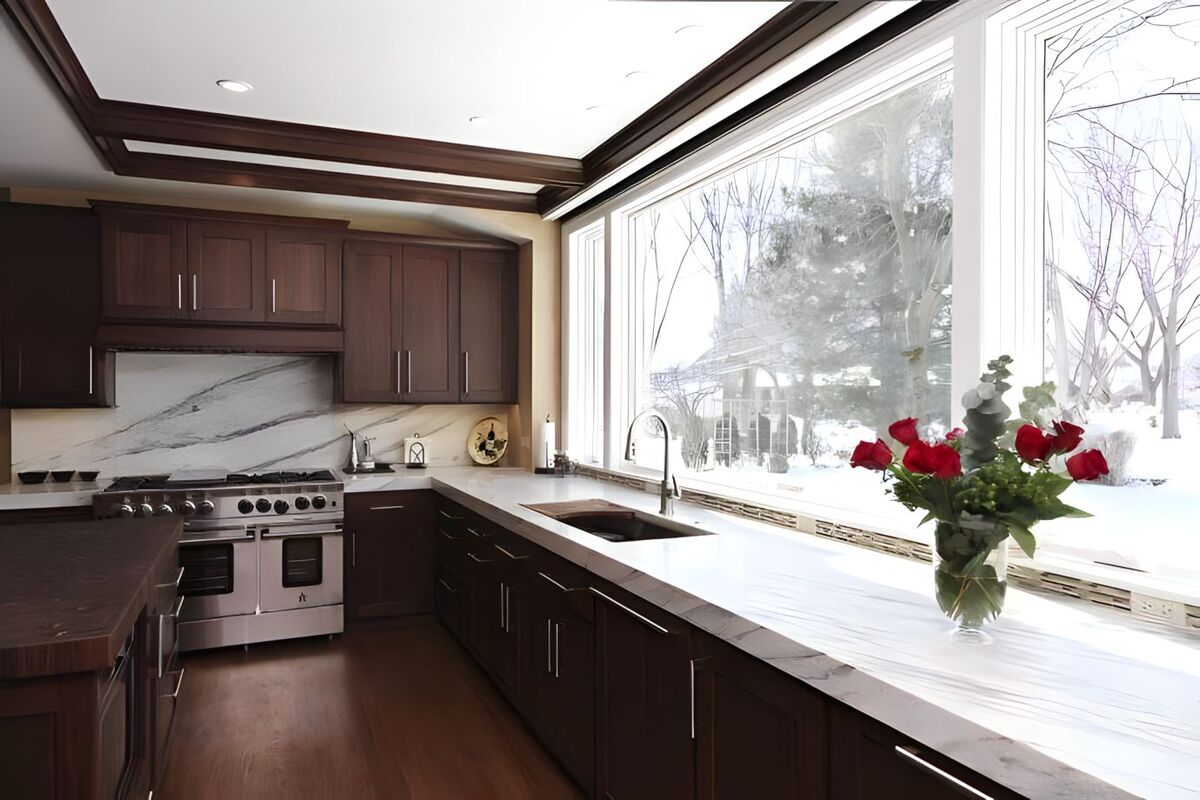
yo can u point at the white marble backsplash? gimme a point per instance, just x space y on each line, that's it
243 412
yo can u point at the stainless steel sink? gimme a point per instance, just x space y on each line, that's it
620 524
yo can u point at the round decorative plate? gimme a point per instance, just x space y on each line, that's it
487 441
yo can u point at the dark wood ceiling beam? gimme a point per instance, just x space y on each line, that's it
178 126
261 176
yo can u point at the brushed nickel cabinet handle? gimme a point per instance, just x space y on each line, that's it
178 683
386 508
448 516
555 583
507 608
478 560
963 788
272 295
692 693
503 623
179 290
549 657
408 370
91 372
449 588
398 389
353 550
449 537
466 372
476 533
639 617
194 293
510 555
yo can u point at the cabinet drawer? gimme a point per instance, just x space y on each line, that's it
451 601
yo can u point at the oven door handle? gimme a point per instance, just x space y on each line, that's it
297 534
246 537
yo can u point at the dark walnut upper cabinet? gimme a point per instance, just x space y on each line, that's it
759 733
401 323
163 264
49 285
226 272
304 271
488 309
144 265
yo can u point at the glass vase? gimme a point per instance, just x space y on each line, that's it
970 572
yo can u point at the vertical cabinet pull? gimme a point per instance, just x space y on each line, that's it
507 609
92 373
408 370
549 657
466 372
398 389
179 291
194 293
692 693
353 550
501 605
272 295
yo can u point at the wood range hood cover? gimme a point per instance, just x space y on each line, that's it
217 339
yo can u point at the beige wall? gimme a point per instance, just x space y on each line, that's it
539 340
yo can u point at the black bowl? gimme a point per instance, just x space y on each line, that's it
38 476
88 475
62 475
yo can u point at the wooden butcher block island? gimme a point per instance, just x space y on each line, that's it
88 673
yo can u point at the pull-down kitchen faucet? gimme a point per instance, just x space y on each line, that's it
669 491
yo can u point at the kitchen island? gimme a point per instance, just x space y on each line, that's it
87 674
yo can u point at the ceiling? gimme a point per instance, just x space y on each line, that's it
530 69
516 105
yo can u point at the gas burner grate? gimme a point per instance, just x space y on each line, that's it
137 483
285 476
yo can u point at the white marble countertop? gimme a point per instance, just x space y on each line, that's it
1063 683
17 495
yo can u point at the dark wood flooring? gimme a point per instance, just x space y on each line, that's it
392 712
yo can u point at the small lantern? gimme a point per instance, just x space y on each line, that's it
415 455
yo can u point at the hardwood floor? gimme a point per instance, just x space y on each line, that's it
392 712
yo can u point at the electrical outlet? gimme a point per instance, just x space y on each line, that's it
1158 610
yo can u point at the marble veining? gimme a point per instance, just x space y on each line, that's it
1070 701
243 412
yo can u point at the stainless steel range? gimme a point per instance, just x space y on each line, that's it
261 553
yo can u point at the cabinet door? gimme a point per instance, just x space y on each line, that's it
643 701
488 308
304 273
560 668
49 283
370 366
759 733
143 261
226 269
427 317
391 559
870 760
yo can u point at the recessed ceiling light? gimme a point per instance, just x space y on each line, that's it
686 29
480 118
636 74
234 86
599 107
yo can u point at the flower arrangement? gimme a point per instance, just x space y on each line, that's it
980 491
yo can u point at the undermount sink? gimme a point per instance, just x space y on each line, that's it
615 523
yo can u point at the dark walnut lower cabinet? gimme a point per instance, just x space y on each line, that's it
389 554
635 703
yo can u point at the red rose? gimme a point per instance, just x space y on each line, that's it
1066 436
904 431
955 435
1032 444
938 460
872 455
1087 466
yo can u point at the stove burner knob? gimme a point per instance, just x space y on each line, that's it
301 503
206 507
145 510
245 506
189 508
163 510
263 505
318 502
281 506
125 511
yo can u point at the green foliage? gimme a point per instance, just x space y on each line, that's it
986 416
1037 401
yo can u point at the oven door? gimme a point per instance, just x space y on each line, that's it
300 565
220 572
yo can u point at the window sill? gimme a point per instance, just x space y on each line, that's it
1053 572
